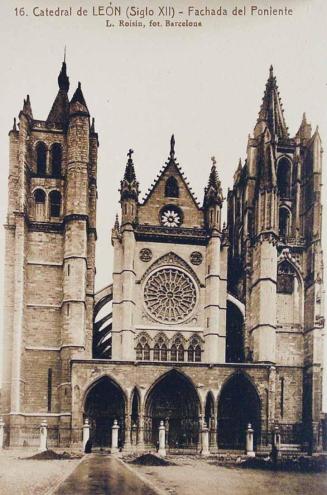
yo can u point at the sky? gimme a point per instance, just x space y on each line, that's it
203 84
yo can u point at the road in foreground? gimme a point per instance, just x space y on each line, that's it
103 475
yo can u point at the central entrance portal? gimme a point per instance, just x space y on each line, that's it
173 400
104 403
238 406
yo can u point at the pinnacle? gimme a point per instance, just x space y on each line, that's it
27 109
78 96
271 110
116 226
130 175
214 177
63 79
172 148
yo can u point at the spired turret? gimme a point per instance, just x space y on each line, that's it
213 199
129 192
123 240
215 314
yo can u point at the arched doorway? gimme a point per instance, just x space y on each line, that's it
174 400
238 405
104 403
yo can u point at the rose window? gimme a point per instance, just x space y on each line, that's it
170 216
170 295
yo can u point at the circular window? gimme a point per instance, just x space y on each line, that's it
170 295
171 216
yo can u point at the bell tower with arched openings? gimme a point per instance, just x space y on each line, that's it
49 265
275 261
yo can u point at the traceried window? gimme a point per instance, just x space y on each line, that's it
177 350
171 188
143 350
170 295
160 350
285 278
194 351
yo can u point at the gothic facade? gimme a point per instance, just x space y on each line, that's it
208 324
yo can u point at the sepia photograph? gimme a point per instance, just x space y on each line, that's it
162 247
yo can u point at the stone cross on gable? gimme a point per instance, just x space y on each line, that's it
213 159
130 152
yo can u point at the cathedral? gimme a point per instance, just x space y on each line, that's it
204 324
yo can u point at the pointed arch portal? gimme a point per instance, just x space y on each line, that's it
174 400
104 403
238 405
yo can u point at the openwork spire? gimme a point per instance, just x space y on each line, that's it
271 111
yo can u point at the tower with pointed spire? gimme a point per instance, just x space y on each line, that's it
275 260
50 248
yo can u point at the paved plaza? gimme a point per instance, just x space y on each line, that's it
98 474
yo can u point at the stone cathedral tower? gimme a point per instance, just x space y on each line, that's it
50 248
275 264
209 327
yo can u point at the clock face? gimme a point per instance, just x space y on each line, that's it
170 216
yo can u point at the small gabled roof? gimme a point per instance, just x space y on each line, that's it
173 164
